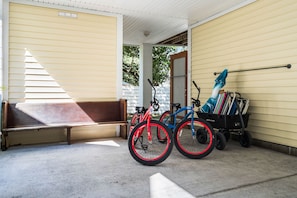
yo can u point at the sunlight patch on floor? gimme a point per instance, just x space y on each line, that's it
104 143
162 187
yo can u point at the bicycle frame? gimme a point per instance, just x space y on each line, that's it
154 105
147 117
173 115
140 111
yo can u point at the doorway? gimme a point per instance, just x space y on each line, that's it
178 78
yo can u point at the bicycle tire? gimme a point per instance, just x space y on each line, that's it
188 145
164 118
147 153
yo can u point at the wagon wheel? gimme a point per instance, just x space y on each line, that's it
201 135
245 139
226 134
220 141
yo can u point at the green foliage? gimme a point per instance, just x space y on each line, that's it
161 64
131 64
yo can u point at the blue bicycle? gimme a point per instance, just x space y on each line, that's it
193 137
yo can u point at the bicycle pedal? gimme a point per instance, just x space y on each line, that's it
144 146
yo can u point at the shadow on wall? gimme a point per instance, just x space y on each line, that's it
40 85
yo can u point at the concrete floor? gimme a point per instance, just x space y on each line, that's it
104 168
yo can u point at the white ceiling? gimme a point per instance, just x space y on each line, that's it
160 18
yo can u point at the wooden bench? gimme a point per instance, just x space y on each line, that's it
18 117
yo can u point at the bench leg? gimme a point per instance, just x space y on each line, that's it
123 131
68 135
4 141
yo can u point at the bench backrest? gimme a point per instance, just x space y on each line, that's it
32 114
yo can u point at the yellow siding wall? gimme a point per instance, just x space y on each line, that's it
262 34
53 57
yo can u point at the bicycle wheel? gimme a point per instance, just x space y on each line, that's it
187 143
150 152
134 121
164 118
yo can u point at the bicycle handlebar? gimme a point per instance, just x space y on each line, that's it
155 102
196 85
150 83
196 101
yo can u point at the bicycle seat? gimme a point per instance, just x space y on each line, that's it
140 109
176 105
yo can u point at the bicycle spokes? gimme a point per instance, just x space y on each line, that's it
149 152
194 145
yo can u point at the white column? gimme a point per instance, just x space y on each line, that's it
1 66
4 11
145 72
1 52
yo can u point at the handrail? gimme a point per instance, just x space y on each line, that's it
262 68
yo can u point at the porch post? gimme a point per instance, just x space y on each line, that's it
1 47
145 72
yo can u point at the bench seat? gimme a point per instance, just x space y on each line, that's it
37 116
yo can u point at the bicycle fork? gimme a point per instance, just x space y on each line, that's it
149 131
192 128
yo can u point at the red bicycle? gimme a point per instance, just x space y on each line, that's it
137 116
143 142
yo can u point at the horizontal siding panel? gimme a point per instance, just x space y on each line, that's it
33 65
230 59
58 30
280 74
270 97
273 104
32 11
38 78
70 24
41 89
18 48
54 57
272 118
49 51
283 30
16 82
275 132
48 15
66 37
35 72
249 19
276 139
262 34
268 90
17 73
279 129
274 111
46 95
18 25
80 64
30 43
37 83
